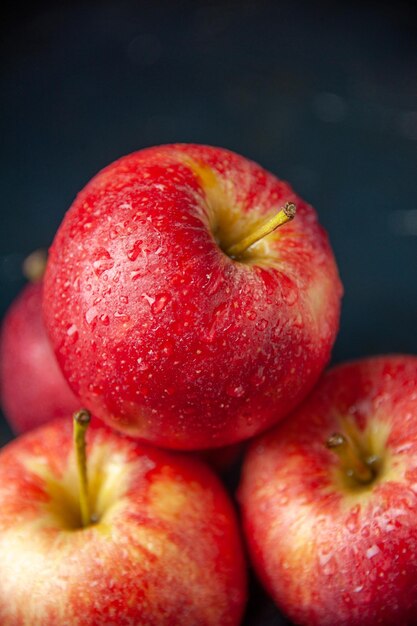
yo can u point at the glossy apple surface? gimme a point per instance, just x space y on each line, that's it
165 550
32 387
333 550
158 330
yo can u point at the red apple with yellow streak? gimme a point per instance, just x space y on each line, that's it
329 499
179 312
129 535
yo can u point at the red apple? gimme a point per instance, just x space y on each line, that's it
165 323
164 548
32 387
332 529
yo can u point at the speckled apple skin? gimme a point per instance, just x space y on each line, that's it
166 551
329 557
33 389
162 334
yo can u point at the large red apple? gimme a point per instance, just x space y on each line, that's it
329 499
32 387
164 548
166 325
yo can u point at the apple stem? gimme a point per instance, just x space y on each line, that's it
352 463
81 420
34 265
286 214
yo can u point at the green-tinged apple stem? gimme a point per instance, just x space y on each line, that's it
81 421
286 214
352 463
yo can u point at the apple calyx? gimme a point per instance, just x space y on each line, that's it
81 420
360 468
286 214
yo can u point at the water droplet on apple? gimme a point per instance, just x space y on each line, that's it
372 551
104 319
235 391
251 315
214 284
261 324
135 251
160 302
298 320
135 274
168 347
142 366
91 314
258 378
217 322
115 231
72 332
94 389
103 261
122 316
330 568
347 599
352 523
289 291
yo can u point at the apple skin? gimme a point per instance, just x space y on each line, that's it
162 334
330 555
165 551
33 389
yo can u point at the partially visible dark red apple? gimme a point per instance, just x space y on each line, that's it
33 389
329 499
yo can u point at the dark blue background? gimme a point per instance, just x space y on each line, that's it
325 96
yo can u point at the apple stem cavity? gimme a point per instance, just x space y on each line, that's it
81 420
353 465
286 214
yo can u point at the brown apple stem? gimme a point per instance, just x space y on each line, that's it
34 265
350 458
286 214
81 420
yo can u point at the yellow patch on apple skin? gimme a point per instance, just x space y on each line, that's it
206 174
28 561
295 534
168 499
108 478
172 500
175 572
317 297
